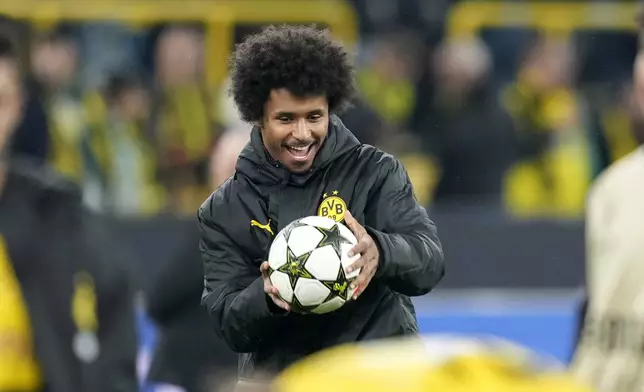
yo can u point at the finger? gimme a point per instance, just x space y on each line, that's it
360 284
358 248
367 270
270 289
265 267
359 281
356 264
279 302
352 223
371 254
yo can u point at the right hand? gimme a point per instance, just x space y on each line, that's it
271 290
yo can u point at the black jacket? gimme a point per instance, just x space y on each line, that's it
70 273
377 191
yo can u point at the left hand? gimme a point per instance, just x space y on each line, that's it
369 255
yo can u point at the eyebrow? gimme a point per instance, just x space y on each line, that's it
284 113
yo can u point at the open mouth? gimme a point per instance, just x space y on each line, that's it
300 153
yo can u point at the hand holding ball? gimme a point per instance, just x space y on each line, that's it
307 265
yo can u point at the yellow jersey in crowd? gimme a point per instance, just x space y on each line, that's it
19 370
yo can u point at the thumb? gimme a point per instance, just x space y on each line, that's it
350 221
349 218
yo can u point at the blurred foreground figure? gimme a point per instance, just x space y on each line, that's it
66 310
609 355
189 353
436 364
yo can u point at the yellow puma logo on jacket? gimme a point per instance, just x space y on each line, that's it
266 227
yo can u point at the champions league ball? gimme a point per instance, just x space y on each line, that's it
308 259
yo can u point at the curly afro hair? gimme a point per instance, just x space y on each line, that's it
304 60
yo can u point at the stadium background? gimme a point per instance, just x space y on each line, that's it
514 244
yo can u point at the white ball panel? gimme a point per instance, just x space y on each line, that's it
277 252
334 303
304 239
324 263
318 221
282 282
310 292
348 234
347 261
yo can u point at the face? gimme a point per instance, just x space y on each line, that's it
135 103
294 128
551 65
54 63
179 56
10 100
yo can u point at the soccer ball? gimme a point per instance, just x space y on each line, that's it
308 260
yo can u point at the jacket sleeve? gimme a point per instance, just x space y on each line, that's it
411 256
233 289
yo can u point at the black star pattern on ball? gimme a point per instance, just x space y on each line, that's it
294 267
297 307
334 238
338 287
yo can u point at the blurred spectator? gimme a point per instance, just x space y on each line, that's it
387 86
54 60
76 269
188 354
552 129
387 80
620 121
184 114
117 51
31 138
364 122
224 155
465 129
120 163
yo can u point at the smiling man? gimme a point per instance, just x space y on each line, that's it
302 161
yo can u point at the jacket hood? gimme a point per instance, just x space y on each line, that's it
257 164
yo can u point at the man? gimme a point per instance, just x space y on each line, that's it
609 355
289 82
66 316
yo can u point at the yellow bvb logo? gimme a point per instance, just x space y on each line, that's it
332 207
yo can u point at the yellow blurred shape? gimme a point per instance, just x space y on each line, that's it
407 366
468 18
563 194
220 18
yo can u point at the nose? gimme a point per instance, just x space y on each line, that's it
301 131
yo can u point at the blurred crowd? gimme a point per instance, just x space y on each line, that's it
499 122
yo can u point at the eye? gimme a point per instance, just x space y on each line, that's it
284 119
315 117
